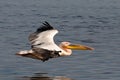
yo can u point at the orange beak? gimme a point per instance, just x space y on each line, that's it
79 47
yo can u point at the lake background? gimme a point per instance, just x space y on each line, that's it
94 23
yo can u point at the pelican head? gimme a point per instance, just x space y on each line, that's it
68 47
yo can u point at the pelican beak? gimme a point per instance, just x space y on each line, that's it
79 47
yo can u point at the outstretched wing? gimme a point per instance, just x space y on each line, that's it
41 54
43 37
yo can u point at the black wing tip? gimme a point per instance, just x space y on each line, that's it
44 27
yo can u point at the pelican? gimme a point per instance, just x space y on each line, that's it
44 48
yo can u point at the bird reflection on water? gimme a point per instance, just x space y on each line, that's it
44 76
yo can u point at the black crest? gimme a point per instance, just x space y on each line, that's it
46 26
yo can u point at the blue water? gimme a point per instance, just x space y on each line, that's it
94 23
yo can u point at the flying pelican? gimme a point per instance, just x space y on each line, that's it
43 46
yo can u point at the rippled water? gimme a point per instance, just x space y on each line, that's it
94 23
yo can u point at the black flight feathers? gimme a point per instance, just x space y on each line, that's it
46 26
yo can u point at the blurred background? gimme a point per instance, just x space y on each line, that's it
94 23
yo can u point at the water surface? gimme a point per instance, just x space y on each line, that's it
94 23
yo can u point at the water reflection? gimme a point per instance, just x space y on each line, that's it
43 76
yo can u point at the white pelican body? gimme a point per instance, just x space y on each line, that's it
44 47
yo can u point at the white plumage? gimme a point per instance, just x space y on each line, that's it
46 40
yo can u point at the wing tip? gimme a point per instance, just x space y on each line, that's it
44 27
